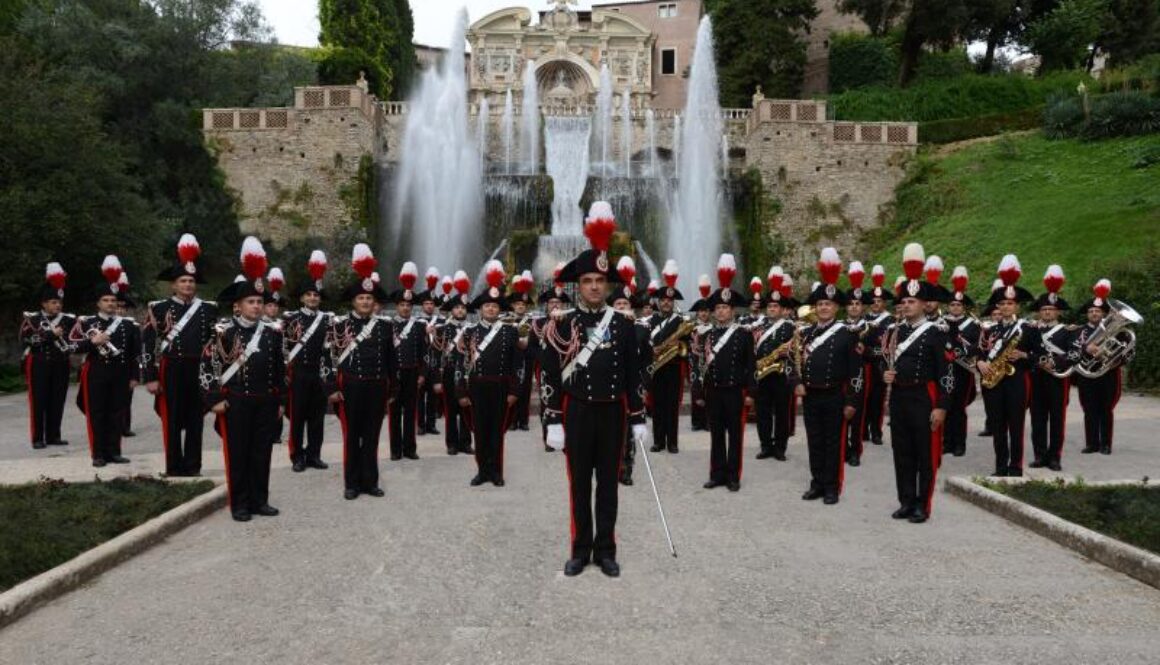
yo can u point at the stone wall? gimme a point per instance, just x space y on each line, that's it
296 169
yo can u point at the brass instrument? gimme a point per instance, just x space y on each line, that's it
59 342
774 361
1001 366
1114 342
806 315
673 346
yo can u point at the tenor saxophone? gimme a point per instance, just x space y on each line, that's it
774 361
673 346
1001 366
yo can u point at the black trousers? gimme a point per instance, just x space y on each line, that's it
361 415
246 429
1006 414
772 402
1099 397
128 425
457 427
47 389
955 434
182 416
429 407
404 413
726 409
593 437
1049 398
306 412
917 450
523 406
697 414
103 396
825 437
667 388
489 421
856 426
875 405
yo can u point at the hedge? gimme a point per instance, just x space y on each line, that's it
961 129
1115 114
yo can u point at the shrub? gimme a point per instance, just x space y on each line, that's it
1123 114
1063 116
860 61
1134 282
961 129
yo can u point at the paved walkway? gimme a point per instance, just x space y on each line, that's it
440 572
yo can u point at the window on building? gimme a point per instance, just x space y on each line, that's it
668 61
667 10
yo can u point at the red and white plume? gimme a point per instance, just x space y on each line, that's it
775 278
462 282
123 281
276 279
900 280
934 269
856 274
632 284
726 270
447 284
913 261
494 273
1053 279
376 278
670 273
408 275
188 250
878 275
253 259
755 286
112 270
522 283
362 261
1102 289
787 287
432 278
600 225
960 279
55 275
829 266
996 285
652 287
316 267
626 268
1009 270
704 285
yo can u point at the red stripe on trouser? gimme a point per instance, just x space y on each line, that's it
568 467
625 440
741 434
31 399
936 442
222 427
291 444
1026 405
845 427
84 388
163 407
340 411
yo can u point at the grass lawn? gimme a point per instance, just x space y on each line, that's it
1130 513
1083 205
44 524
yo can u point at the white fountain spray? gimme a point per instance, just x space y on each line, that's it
566 149
482 123
507 126
531 121
438 198
677 144
626 132
604 118
650 128
695 228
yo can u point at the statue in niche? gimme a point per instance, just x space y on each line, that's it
758 96
361 83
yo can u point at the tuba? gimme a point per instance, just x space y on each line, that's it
1114 340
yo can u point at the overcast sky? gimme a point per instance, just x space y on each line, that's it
296 22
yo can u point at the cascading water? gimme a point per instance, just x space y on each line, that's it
566 148
530 110
603 120
482 122
436 197
626 133
677 143
507 126
694 233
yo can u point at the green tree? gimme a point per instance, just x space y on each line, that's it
878 15
1063 37
938 23
372 36
759 42
1130 29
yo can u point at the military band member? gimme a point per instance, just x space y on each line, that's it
521 303
774 396
359 370
755 314
272 314
857 300
429 407
593 390
668 330
703 320
921 381
488 385
624 299
1006 355
243 382
880 320
45 338
962 339
112 347
991 316
1049 393
410 354
729 380
124 306
304 332
175 333
1098 396
446 342
553 299
828 378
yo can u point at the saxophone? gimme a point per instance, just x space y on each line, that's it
774 361
673 346
1001 366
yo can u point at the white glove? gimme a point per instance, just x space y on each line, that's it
640 435
555 439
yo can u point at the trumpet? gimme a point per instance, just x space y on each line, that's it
60 342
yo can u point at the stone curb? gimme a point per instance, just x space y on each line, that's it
51 584
1127 559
